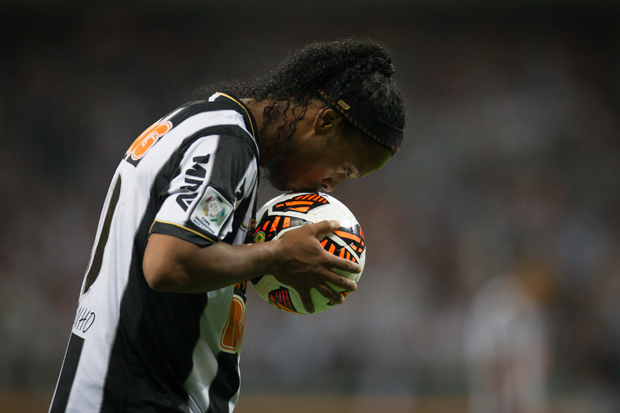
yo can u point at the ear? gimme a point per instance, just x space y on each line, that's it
326 121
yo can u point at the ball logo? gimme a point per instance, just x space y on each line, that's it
259 237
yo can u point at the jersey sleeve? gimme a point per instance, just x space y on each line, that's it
215 174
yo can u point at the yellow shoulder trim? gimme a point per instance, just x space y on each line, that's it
185 228
244 109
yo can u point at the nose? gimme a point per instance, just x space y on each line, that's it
331 183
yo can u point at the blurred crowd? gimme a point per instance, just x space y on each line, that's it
510 167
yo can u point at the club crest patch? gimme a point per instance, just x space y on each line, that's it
212 211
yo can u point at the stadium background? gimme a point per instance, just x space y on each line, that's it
510 165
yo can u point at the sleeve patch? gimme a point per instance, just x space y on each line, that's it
212 211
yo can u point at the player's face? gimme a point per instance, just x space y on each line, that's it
322 162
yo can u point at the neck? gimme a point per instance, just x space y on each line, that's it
256 108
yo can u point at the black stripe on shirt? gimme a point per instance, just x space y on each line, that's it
225 384
95 266
67 375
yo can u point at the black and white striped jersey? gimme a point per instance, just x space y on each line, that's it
193 175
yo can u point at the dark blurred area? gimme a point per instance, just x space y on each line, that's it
510 165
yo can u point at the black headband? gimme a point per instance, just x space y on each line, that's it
359 116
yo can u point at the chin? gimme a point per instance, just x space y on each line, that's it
289 187
278 184
276 180
304 189
282 183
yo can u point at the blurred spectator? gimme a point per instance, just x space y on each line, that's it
507 347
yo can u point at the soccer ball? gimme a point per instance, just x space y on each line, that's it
288 211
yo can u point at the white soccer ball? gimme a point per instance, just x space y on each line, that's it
288 211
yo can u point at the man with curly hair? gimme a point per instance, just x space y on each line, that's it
162 305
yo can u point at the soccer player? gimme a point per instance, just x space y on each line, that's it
162 305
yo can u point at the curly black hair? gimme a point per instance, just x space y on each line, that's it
360 67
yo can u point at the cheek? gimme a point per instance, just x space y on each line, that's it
306 165
315 173
299 173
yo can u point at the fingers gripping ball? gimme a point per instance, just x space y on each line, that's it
288 211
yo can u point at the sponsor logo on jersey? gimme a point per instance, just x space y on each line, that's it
194 177
232 333
146 140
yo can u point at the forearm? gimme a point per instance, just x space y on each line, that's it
177 266
296 259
